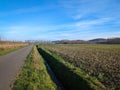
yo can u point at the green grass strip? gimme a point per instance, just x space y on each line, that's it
34 75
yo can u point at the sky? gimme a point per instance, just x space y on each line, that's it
59 19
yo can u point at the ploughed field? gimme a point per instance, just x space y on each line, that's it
96 60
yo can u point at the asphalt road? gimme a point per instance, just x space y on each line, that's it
10 65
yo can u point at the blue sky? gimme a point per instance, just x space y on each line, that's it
59 19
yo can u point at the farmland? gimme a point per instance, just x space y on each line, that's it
76 67
7 46
96 60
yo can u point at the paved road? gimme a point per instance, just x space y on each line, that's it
10 65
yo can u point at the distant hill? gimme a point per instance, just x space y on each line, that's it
70 42
113 41
106 41
98 41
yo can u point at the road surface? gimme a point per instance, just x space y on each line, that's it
10 65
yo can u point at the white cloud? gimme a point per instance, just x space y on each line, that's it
78 30
92 22
78 9
53 29
78 16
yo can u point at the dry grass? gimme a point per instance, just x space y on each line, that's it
6 46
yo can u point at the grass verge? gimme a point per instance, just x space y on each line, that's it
71 77
34 75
